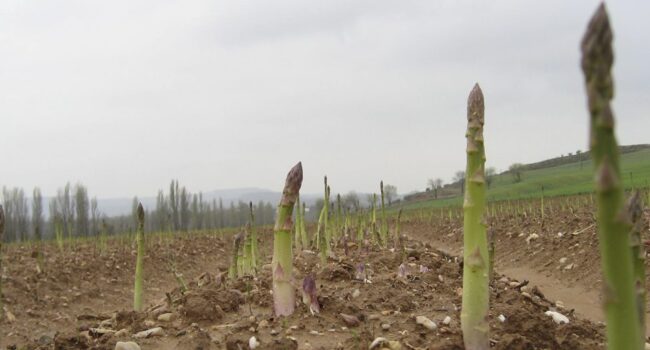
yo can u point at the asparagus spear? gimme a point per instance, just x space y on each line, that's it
621 312
475 273
282 263
137 293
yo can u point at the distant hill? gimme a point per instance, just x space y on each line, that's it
570 174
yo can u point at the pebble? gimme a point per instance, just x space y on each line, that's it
426 323
557 317
153 332
263 324
10 317
274 332
385 326
121 333
128 345
570 266
149 323
562 260
355 294
440 278
167 317
501 318
504 280
253 343
559 304
531 237
446 321
373 317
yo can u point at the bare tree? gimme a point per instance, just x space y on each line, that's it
351 200
516 170
82 206
390 192
490 172
37 214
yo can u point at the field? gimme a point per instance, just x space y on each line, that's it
563 180
83 301
549 255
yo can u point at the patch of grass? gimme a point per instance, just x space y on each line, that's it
562 180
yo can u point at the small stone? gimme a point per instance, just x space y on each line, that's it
501 318
167 317
121 333
514 284
385 326
251 319
562 260
446 321
526 295
559 304
373 317
106 323
153 332
288 332
531 237
10 317
262 324
385 313
570 266
355 294
149 323
504 280
253 343
557 317
440 278
525 289
314 333
128 345
274 332
426 323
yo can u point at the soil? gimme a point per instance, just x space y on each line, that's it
82 298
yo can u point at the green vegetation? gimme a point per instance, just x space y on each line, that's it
282 263
476 294
562 180
137 291
621 311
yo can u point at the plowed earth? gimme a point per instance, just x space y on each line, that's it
81 298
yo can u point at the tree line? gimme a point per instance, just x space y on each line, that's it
74 214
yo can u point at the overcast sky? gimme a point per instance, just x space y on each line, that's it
126 95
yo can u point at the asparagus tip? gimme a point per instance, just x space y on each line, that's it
294 179
140 213
475 103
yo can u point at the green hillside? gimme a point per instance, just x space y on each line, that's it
566 179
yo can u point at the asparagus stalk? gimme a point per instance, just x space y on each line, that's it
137 293
235 262
297 229
635 215
253 238
621 312
384 223
282 267
473 316
2 230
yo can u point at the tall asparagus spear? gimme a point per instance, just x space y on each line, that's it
282 263
473 316
384 223
137 292
621 312
253 238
